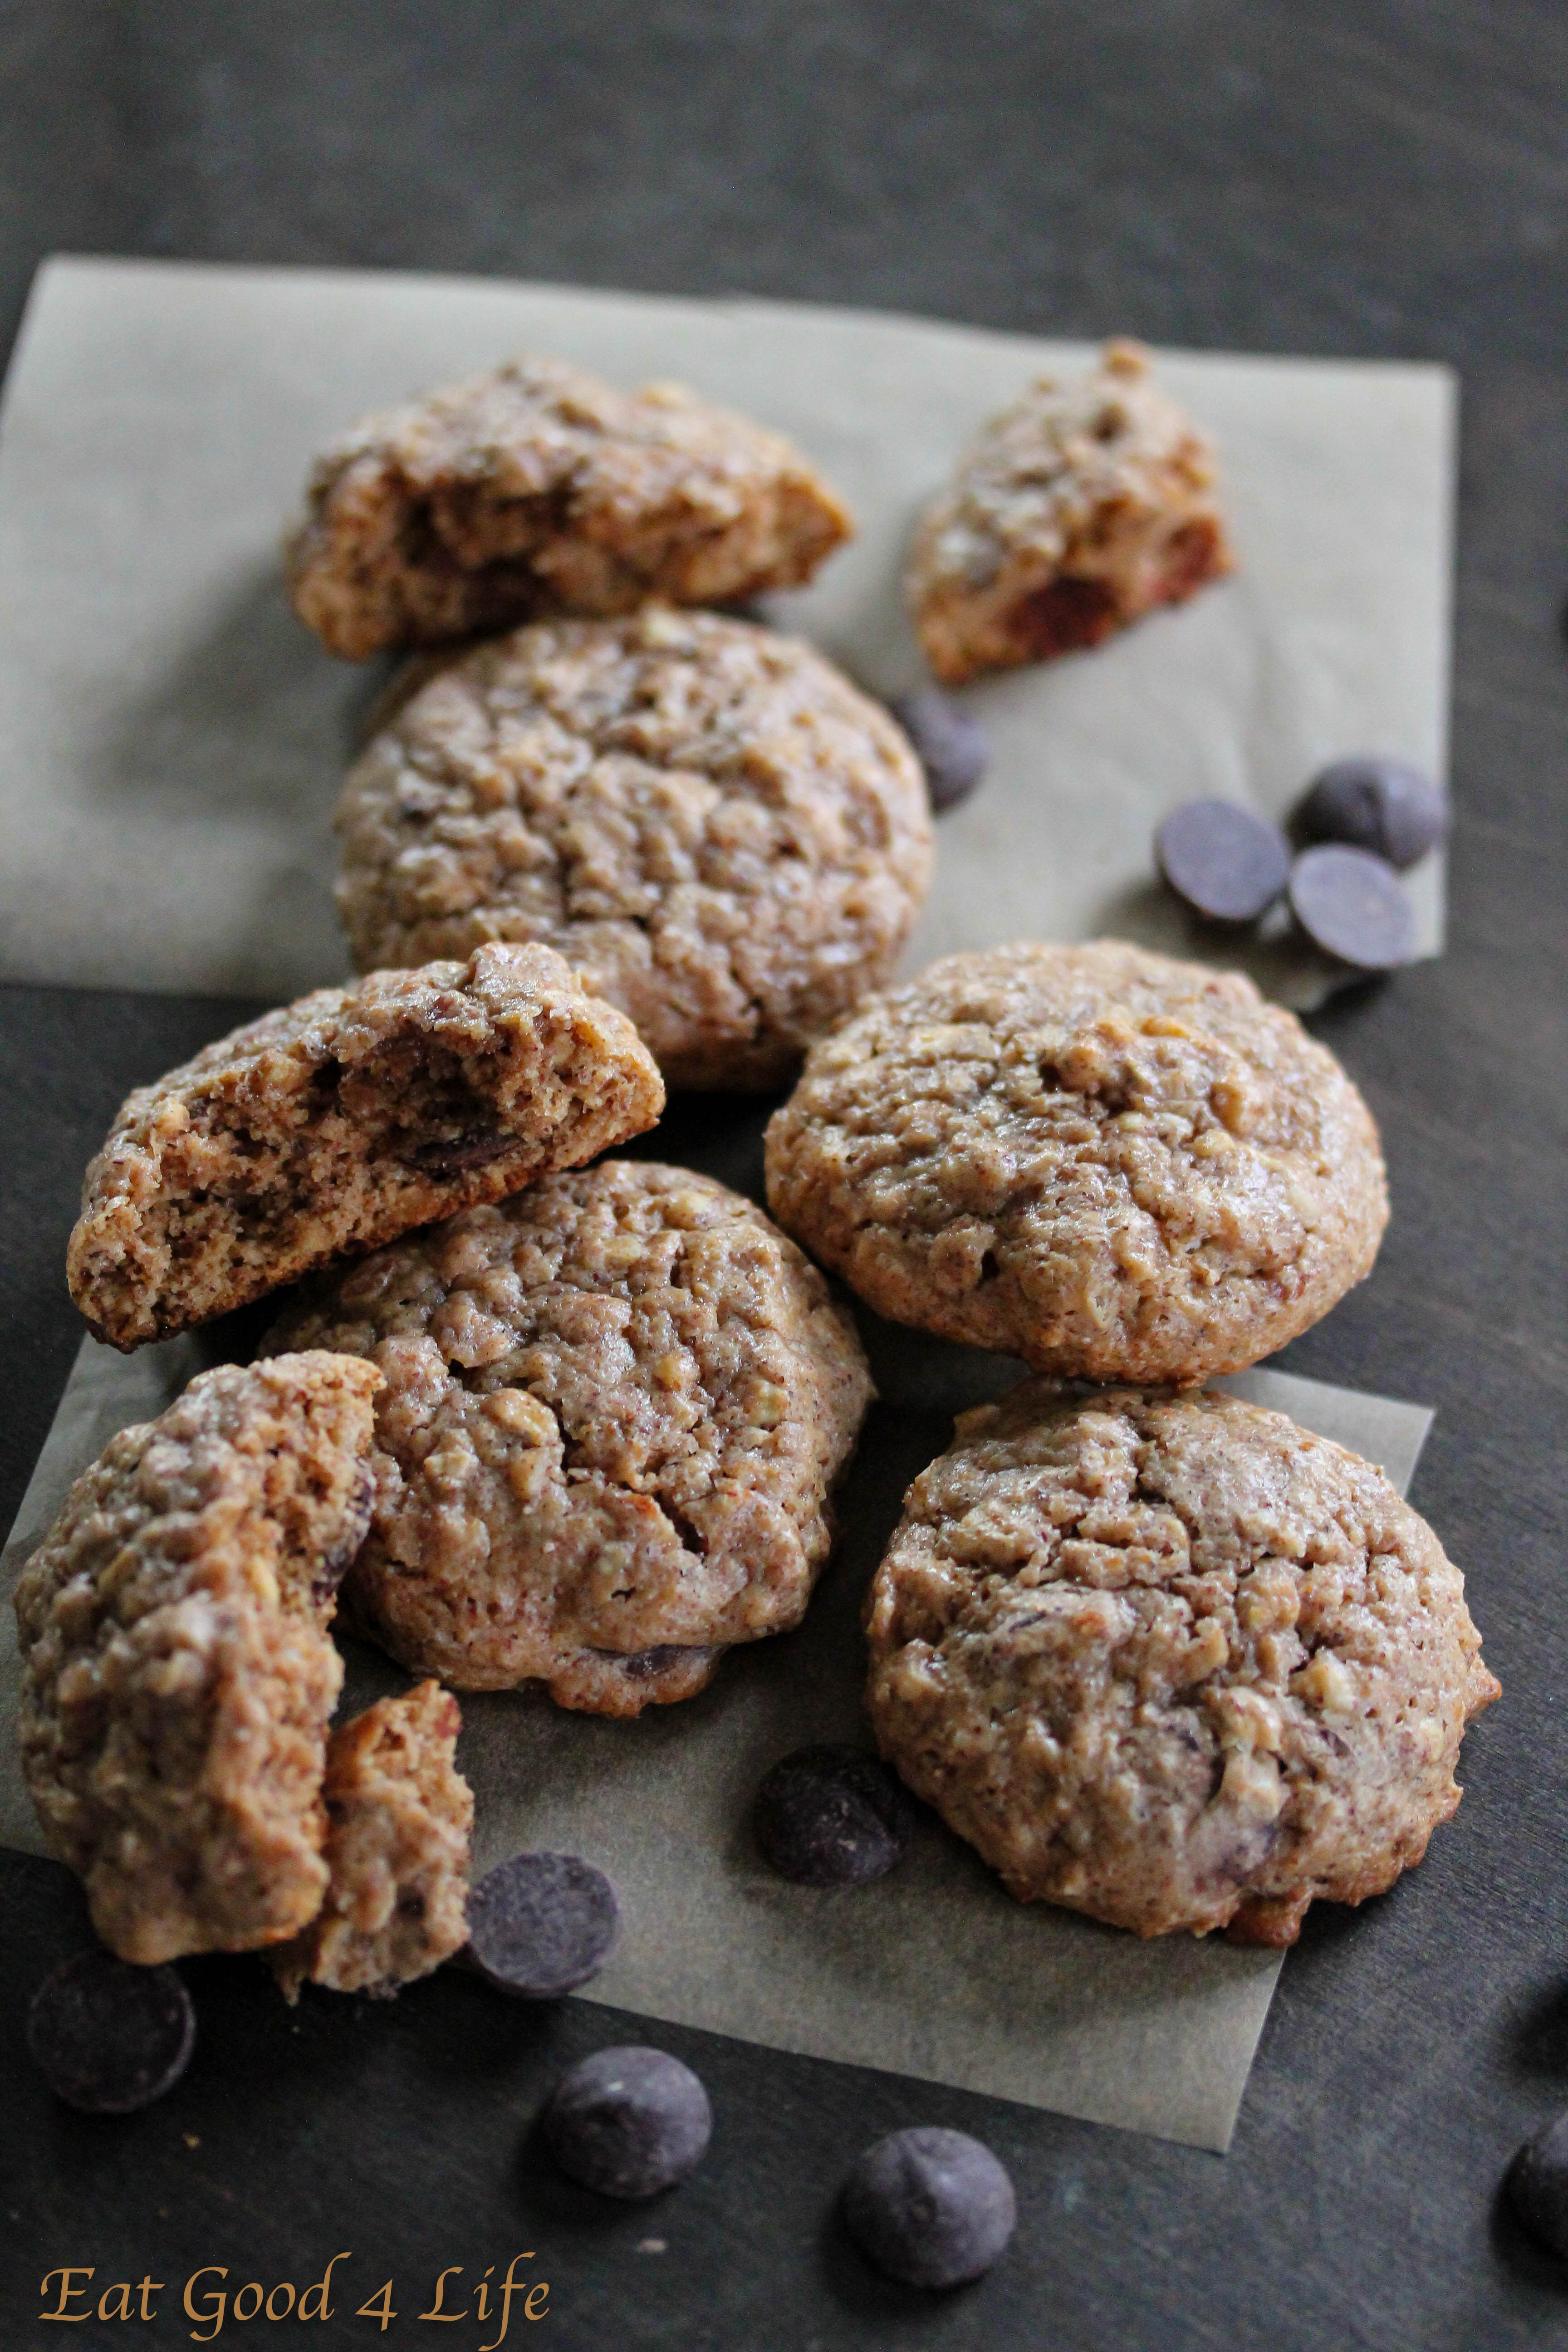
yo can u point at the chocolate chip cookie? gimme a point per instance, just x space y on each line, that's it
177 1676
341 1120
536 488
399 1817
1172 1660
1115 1165
1077 510
726 838
614 1410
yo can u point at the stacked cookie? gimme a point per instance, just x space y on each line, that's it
724 836
528 1420
1160 1655
567 1425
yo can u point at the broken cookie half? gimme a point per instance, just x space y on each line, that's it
177 1674
1077 510
343 1120
399 1818
177 1681
536 489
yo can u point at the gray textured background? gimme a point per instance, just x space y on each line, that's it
1355 177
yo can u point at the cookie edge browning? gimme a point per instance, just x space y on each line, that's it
124 1177
966 634
897 1285
272 1622
360 505
389 1770
1252 1916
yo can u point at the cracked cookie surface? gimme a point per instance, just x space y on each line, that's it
1077 510
177 1675
1111 1164
1172 1660
614 1408
536 488
341 1120
725 836
399 1819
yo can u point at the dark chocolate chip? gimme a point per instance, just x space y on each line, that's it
832 1816
1538 2186
1066 617
1352 904
933 2208
1227 862
541 1924
948 743
628 2122
452 1155
641 1666
108 2037
1383 805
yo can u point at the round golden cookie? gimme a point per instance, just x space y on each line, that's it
724 836
614 1409
1171 1660
1115 1165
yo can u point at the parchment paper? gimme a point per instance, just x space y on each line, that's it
933 1971
171 739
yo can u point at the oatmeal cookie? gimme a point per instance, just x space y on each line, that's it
727 839
399 1817
536 489
177 1676
1116 1166
1079 508
1172 1660
343 1120
614 1408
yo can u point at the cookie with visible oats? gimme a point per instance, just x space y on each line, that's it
1077 510
343 1120
613 1410
726 837
536 488
1172 1660
1111 1164
399 1818
177 1675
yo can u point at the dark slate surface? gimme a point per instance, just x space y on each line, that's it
1359 177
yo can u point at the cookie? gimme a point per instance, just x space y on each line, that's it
537 490
614 1407
177 1676
1172 1660
399 1817
1077 510
343 1120
1113 1165
727 839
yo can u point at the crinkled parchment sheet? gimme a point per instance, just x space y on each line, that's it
171 739
933 1971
